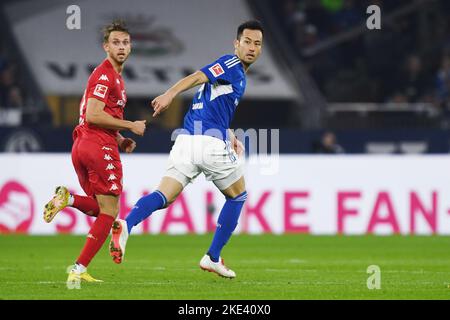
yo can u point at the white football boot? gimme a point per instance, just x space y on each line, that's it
118 240
207 264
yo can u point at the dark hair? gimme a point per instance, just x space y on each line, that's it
252 25
116 25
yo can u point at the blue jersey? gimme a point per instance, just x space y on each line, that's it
215 102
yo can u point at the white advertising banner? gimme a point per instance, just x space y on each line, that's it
288 194
170 39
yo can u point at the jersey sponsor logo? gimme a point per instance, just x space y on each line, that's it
100 90
197 106
103 77
216 70
107 148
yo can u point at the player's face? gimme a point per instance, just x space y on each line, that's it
118 46
248 47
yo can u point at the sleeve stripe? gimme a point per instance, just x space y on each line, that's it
231 60
233 64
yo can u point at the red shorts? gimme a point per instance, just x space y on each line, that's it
98 167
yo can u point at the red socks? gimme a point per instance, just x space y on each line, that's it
88 205
95 239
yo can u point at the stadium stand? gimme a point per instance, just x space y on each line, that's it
345 76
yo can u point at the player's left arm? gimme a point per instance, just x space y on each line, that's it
163 101
125 144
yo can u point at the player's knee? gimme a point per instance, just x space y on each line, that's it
235 190
243 195
109 207
110 210
171 200
239 195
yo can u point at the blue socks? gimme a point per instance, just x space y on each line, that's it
227 222
145 207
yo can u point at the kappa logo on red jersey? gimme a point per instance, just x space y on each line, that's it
216 70
100 90
103 77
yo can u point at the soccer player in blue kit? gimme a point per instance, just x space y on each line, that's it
206 145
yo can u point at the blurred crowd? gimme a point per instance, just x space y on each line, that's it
11 86
408 60
327 144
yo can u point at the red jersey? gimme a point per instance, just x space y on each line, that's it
106 85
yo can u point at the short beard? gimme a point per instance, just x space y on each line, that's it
247 64
120 62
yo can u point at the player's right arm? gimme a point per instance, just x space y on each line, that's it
95 115
163 101
238 146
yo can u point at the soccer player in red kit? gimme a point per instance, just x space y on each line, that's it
95 151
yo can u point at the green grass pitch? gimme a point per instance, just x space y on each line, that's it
268 267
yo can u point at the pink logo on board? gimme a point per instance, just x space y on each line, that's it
16 208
